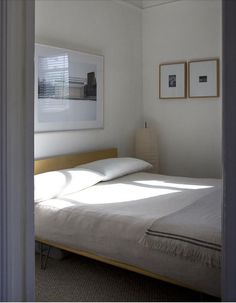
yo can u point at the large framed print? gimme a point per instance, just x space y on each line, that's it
68 89
172 80
203 78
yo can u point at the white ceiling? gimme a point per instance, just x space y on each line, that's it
148 3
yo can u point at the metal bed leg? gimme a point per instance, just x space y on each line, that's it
44 259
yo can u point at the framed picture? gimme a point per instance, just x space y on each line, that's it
172 80
68 89
203 78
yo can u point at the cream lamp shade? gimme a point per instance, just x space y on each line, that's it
146 147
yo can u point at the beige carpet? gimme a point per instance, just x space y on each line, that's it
79 279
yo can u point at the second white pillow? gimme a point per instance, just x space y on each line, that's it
117 167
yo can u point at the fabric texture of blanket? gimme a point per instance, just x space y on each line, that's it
193 232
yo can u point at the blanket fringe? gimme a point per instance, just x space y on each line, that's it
187 251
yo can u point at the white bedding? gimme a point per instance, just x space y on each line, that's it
193 232
110 218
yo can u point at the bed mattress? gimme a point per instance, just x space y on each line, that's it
110 218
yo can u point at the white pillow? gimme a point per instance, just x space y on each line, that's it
62 182
116 167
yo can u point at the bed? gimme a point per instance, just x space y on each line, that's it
164 227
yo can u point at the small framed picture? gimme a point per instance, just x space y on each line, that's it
172 80
203 78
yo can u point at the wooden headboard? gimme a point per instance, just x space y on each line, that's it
68 161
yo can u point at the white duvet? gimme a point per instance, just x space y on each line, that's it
111 217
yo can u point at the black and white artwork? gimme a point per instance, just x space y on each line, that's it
203 78
172 80
68 89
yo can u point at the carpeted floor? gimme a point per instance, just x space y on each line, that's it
79 279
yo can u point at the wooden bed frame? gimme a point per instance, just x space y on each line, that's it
67 161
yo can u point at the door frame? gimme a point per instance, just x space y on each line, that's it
17 150
229 151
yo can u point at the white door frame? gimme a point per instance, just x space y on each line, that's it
16 150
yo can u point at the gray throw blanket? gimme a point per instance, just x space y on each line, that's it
193 233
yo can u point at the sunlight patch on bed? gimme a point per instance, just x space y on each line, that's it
120 193
172 185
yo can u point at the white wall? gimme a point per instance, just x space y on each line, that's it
189 131
111 29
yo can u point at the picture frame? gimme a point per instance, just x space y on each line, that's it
68 89
203 78
173 80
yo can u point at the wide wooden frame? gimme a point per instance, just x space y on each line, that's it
216 76
67 161
173 94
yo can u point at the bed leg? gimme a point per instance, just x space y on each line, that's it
44 259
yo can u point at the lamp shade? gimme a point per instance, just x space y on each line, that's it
146 147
